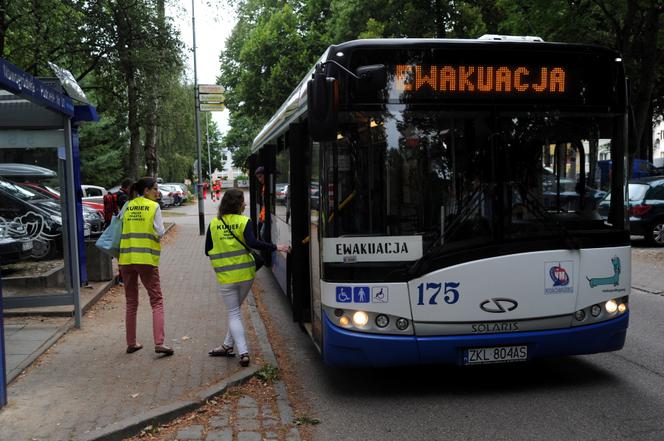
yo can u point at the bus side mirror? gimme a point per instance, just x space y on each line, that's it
372 77
322 104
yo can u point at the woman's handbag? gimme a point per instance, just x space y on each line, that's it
109 241
258 259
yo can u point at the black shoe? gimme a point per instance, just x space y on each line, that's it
244 360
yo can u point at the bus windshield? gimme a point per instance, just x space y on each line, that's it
469 177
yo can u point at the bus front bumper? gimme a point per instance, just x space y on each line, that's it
355 349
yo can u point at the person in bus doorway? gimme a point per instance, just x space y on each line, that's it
260 177
142 228
228 236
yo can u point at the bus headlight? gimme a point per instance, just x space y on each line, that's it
622 308
360 318
595 310
344 321
580 315
611 306
402 324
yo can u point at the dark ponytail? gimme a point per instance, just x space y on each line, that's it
142 184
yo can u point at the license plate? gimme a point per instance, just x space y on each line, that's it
27 246
499 354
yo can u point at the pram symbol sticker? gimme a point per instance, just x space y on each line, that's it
379 294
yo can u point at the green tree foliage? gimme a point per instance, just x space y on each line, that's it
128 58
275 42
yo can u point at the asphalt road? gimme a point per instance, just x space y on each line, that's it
613 396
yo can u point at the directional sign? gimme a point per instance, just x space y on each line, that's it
211 97
210 88
212 107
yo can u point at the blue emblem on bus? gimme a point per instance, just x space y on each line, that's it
559 276
344 294
361 294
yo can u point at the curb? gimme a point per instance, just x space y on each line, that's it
133 425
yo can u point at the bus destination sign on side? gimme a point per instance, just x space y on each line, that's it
481 79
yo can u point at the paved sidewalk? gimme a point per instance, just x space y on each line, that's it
87 387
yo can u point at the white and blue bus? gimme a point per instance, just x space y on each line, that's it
441 197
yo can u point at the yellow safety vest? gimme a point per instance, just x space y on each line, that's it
230 260
140 243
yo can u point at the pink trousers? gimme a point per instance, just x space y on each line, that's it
150 277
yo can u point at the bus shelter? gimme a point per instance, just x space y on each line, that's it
41 222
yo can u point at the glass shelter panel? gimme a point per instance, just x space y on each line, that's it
33 219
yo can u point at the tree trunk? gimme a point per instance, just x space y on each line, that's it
134 128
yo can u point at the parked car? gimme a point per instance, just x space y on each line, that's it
51 192
93 219
640 169
14 242
186 194
174 192
646 208
22 172
165 199
41 219
93 193
281 193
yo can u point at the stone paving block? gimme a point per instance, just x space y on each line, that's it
190 433
270 422
36 334
220 435
293 435
271 436
247 402
246 424
249 436
247 412
220 420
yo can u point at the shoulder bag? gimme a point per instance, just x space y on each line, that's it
258 259
109 241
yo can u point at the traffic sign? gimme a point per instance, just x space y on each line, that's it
212 107
210 88
211 97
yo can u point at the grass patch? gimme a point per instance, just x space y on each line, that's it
268 373
305 421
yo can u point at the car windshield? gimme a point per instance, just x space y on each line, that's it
457 178
637 192
21 193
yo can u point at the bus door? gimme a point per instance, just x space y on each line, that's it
314 243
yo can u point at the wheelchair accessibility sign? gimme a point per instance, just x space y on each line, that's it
344 294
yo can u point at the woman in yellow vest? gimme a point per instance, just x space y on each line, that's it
234 266
142 228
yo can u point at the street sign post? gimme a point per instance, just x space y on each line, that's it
211 98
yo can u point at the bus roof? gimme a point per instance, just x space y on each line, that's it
296 104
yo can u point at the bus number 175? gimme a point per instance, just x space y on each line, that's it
451 294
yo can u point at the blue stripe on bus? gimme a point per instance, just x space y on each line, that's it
347 348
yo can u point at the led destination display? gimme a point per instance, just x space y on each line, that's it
481 79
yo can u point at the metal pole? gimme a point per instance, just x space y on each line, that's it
3 369
207 138
201 216
71 214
